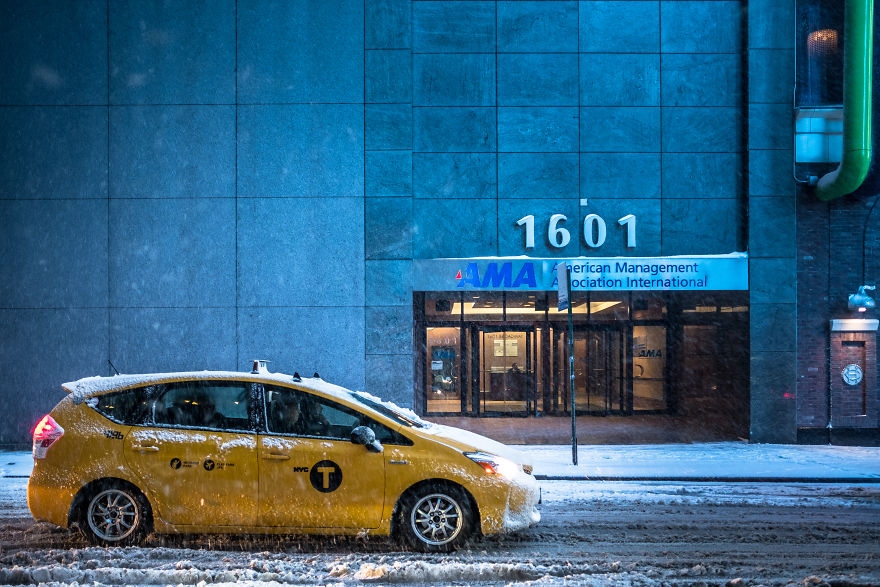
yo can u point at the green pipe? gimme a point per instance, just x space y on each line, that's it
857 62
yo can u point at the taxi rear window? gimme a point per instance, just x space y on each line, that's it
129 406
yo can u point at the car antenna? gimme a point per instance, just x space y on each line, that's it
316 376
112 366
296 376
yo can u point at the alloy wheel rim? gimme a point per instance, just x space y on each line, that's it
437 519
113 515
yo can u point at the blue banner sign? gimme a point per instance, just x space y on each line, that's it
677 273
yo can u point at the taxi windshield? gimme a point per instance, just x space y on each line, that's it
390 410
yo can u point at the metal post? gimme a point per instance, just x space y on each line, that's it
574 452
563 284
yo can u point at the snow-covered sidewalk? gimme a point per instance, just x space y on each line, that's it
723 461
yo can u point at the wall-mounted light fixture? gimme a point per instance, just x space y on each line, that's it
860 300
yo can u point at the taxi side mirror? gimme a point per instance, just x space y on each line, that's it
365 436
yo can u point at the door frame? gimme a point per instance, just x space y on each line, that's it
529 373
620 400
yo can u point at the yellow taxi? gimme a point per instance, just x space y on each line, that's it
124 456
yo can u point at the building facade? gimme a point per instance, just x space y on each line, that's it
382 191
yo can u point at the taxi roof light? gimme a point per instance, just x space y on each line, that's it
261 366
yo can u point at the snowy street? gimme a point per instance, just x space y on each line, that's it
592 533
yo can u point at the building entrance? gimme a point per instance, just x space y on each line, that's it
507 369
506 354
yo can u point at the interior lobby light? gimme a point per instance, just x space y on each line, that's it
476 308
822 42
861 300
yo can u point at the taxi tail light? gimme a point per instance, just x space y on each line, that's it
46 433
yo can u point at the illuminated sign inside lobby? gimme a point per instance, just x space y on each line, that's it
675 273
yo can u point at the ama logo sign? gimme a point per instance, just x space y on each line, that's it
498 276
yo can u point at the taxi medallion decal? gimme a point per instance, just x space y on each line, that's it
326 476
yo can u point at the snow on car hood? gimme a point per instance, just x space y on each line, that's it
468 441
456 438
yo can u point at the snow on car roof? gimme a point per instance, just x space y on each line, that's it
89 386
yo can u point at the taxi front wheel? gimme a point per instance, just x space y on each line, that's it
435 518
115 515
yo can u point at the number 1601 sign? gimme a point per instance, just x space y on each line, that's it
594 230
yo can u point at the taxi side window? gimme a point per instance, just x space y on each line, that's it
129 406
283 411
289 411
294 412
220 405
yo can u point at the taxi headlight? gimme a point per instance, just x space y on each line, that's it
495 465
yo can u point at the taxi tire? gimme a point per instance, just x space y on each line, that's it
435 518
115 514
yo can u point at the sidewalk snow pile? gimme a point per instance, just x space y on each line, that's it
723 461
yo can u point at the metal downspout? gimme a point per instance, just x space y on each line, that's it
857 61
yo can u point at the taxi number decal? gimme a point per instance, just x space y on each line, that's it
326 476
208 464
211 465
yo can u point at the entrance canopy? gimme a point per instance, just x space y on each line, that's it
675 273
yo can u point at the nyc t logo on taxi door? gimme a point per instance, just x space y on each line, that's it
326 476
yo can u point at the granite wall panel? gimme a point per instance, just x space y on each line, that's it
388 174
47 61
300 150
388 228
602 30
454 130
299 251
172 253
53 152
440 230
449 26
172 151
298 51
620 79
539 129
172 52
538 27
621 175
538 175
174 339
54 254
307 339
454 176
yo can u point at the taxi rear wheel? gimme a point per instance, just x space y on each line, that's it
435 518
115 515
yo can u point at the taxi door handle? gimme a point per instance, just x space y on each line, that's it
142 448
274 456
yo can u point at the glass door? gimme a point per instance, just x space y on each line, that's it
443 368
603 389
506 370
600 381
